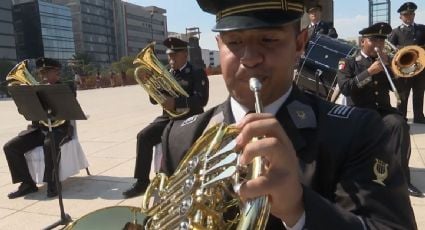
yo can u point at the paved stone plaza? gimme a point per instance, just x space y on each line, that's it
108 138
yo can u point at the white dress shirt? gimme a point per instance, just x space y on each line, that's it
239 111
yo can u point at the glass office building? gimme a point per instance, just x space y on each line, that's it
43 30
7 35
94 28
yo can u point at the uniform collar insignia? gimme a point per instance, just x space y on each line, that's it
302 115
359 57
380 169
341 111
189 120
186 70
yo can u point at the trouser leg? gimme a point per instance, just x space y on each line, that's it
418 96
146 139
404 87
15 150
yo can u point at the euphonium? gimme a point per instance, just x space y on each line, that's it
19 75
407 61
152 75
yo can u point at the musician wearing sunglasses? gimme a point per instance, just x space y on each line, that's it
37 135
410 33
316 174
195 82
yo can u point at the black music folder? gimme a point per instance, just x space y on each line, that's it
40 102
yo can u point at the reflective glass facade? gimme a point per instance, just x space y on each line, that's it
7 35
43 29
56 31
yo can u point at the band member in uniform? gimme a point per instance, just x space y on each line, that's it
362 78
317 26
37 135
317 175
195 83
410 33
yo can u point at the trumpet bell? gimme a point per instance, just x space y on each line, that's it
408 61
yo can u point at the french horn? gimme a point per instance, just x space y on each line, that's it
407 61
202 192
152 75
19 75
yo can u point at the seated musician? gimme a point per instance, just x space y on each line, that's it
317 175
363 79
195 82
37 135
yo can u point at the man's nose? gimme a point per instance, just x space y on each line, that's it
251 56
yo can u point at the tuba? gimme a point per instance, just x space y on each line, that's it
201 193
407 61
19 75
152 75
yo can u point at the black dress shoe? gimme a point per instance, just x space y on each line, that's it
413 191
23 189
52 190
420 120
137 189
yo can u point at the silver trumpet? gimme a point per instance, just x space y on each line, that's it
388 76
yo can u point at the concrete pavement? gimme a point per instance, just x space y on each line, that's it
108 138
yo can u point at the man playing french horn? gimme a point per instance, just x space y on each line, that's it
195 82
326 166
37 135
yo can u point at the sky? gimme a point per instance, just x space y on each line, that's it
350 16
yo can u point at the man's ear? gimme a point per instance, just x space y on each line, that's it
301 41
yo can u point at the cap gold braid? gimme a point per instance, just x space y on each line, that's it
266 5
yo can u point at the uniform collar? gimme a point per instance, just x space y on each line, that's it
239 111
406 25
312 24
181 69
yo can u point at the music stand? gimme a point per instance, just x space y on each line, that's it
49 102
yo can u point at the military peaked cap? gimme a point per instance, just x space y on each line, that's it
379 30
407 7
47 63
314 7
174 45
252 14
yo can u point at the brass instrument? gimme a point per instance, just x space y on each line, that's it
19 75
394 89
152 75
407 61
202 192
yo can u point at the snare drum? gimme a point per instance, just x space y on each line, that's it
317 69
